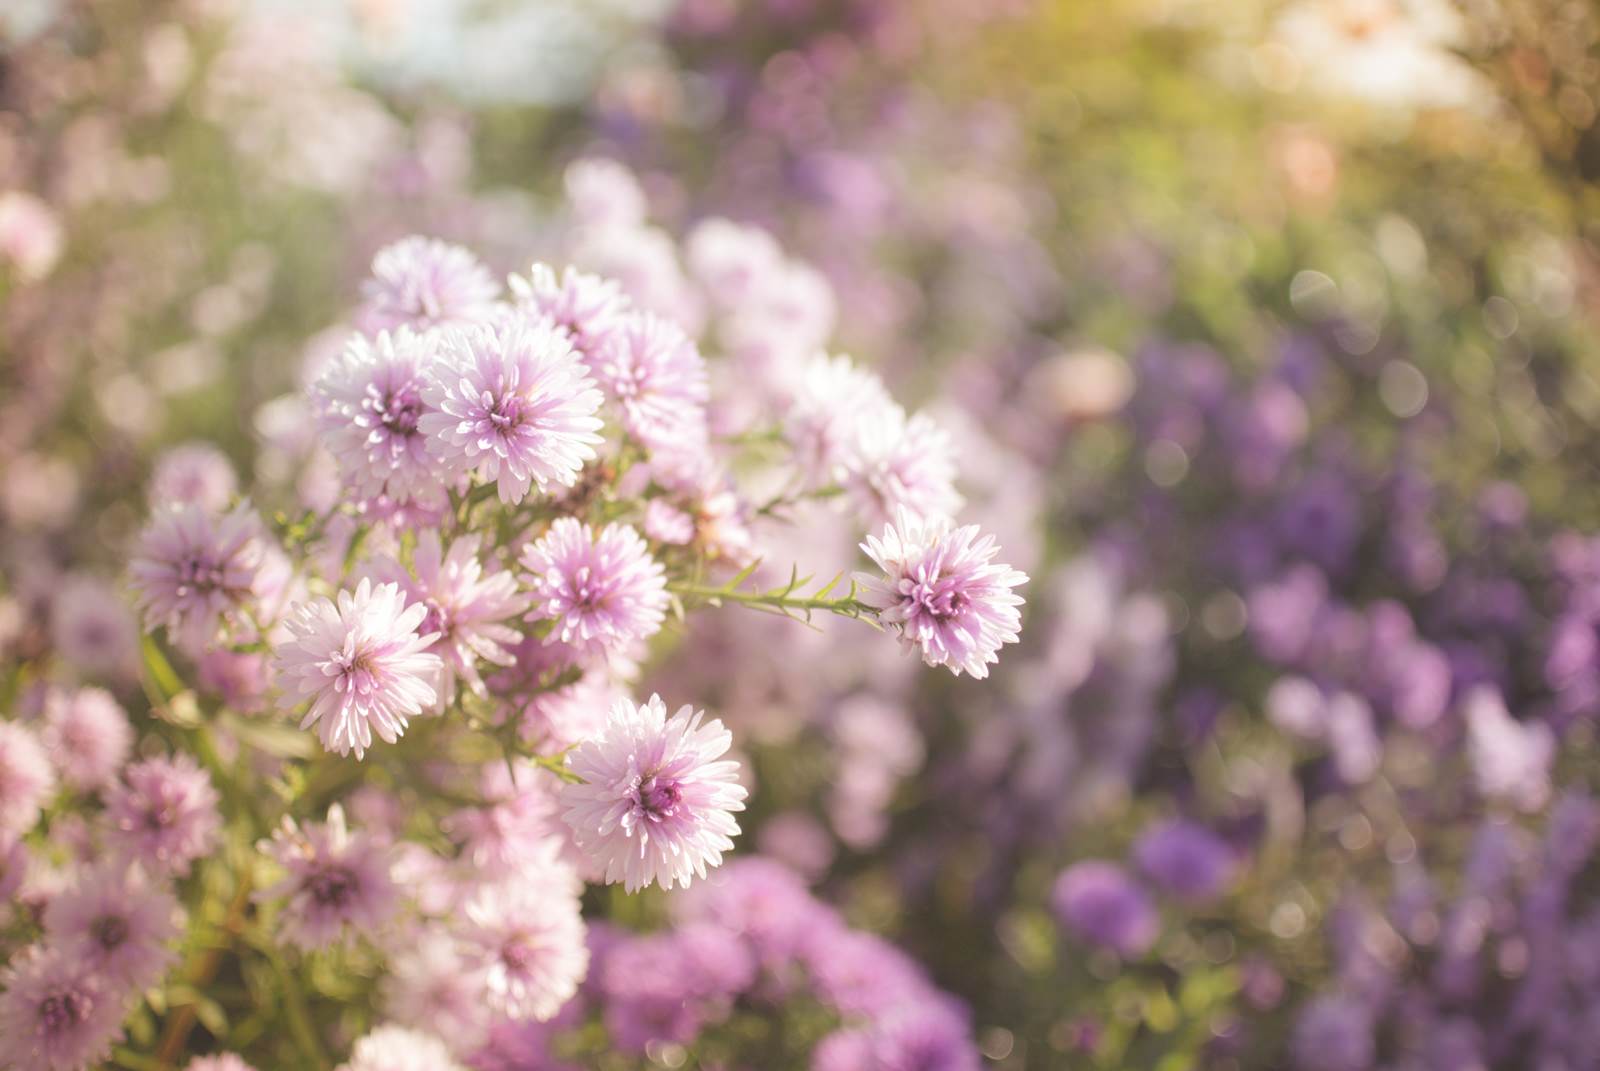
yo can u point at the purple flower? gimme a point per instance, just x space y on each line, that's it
1101 904
119 922
1185 859
831 401
466 607
196 474
513 403
56 1013
88 736
337 882
763 902
929 1037
657 378
422 282
943 592
587 307
369 404
222 1061
656 802
27 780
192 570
164 812
361 663
894 462
604 592
433 984
525 936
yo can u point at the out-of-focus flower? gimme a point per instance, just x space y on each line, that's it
587 307
57 1013
399 1048
1102 904
526 936
1186 859
117 921
30 235
193 570
421 283
163 813
27 779
943 592
196 474
338 883
1510 759
656 802
361 663
655 375
88 736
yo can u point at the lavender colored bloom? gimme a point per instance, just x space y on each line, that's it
193 570
656 802
730 260
56 1013
1185 859
422 282
432 984
860 973
337 882
117 921
587 307
27 779
91 627
196 474
88 736
943 592
647 996
763 902
604 592
657 378
929 1037
164 812
831 401
361 663
895 462
526 937
1101 904
466 607
369 403
399 1048
1333 1033
513 403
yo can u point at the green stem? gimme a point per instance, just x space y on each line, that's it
300 1025
845 606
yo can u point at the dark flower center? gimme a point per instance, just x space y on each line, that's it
110 931
60 1012
199 573
659 797
333 886
398 412
517 954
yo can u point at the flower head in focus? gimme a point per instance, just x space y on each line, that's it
603 591
656 802
512 402
362 664
655 375
943 591
369 407
587 307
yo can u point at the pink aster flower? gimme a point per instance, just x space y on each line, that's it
91 627
586 306
657 378
362 664
164 813
656 803
943 592
27 780
119 922
604 592
196 474
56 1013
513 403
526 936
399 1048
422 283
828 408
896 462
193 570
88 736
369 403
466 607
338 882
432 984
